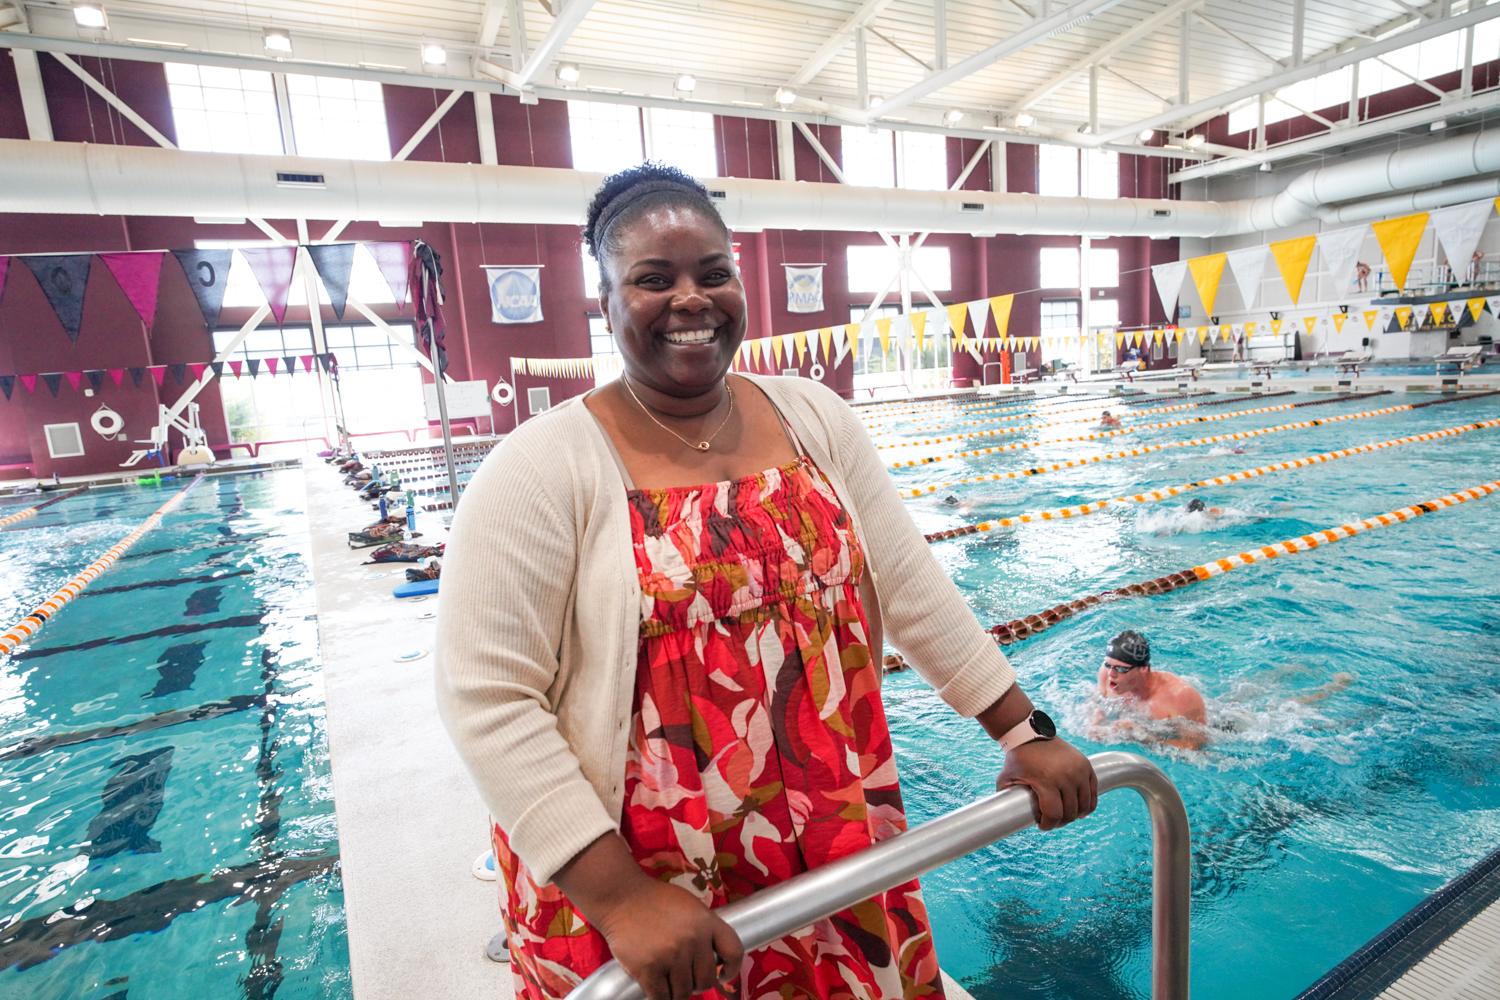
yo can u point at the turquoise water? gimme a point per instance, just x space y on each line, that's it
166 811
1315 823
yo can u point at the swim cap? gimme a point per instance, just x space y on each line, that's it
951 500
1196 505
1130 647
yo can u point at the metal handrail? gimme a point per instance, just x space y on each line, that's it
772 913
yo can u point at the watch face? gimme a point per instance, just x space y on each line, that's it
1043 724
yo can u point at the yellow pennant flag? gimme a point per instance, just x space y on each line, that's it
825 340
919 327
1000 305
1399 239
1119 339
1249 329
1157 334
1292 257
1339 318
1476 306
957 313
1202 335
1308 322
1403 315
1207 272
1370 315
1226 331
883 327
851 337
800 339
1135 338
1177 333
1438 310
1276 326
776 350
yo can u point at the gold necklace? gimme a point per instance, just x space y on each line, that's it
703 445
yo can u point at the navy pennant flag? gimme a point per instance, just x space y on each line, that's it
254 365
334 262
179 372
290 363
53 380
64 279
7 384
137 375
96 378
218 367
207 273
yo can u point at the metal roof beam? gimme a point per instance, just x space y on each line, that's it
868 11
489 23
568 19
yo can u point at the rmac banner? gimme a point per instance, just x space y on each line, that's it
515 294
804 288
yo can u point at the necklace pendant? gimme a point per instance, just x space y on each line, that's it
701 446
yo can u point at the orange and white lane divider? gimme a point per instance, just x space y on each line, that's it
912 463
902 410
1023 628
1095 403
29 512
1092 419
23 630
1151 496
1006 405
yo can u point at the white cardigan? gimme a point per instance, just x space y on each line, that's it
539 624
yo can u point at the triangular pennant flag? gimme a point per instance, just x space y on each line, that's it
394 262
237 367
1226 331
957 314
272 364
1439 311
1249 329
197 367
218 367
883 327
1168 278
1000 307
799 340
1339 318
1276 326
29 381
1177 333
1340 250
1476 306
53 381
1458 229
1399 239
1292 257
825 341
919 327
207 273
75 379
1136 337
117 375
1213 334
179 372
64 279
776 346
1249 266
979 316
159 373
254 365
139 276
307 362
745 349
1369 316
1119 339
273 268
7 385
334 262
96 379
842 335
289 364
1403 316
137 375
1207 272
1308 322
765 352
1202 335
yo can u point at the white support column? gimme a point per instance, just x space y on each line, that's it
999 169
1086 295
786 152
1299 30
284 113
1093 99
1351 118
940 34
484 120
861 70
315 322
1184 57
517 28
33 97
1260 122
1466 88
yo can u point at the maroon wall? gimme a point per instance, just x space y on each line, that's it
31 341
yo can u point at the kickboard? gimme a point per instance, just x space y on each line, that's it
417 589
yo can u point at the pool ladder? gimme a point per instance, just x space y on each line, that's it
775 912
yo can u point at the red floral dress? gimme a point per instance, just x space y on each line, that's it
758 747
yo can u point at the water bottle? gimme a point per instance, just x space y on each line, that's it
384 507
411 514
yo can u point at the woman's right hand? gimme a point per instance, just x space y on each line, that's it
670 943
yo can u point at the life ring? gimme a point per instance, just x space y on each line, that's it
503 393
816 371
106 422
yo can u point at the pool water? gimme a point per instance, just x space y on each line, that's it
166 811
1316 821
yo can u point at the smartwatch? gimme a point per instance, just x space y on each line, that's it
1036 726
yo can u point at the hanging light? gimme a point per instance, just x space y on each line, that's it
785 96
434 55
953 116
685 83
1195 140
568 73
1146 134
277 40
90 15
1025 120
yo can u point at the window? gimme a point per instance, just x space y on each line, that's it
357 347
605 137
685 139
1060 315
1059 267
335 117
929 368
538 399
1057 171
1101 173
606 353
871 361
869 158
219 110
871 267
1104 267
924 161
63 440
590 274
241 290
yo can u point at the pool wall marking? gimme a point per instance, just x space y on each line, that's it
1022 628
29 626
22 515
1150 496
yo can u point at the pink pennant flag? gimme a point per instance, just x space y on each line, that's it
196 368
117 375
74 379
271 363
273 267
307 362
235 367
394 261
29 381
159 372
138 275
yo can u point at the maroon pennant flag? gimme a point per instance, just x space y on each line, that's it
159 372
236 366
307 362
394 261
138 275
29 381
271 363
197 369
75 379
118 375
273 267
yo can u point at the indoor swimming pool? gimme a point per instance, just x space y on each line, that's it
166 810
1317 821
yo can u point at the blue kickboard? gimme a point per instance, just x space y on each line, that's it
417 589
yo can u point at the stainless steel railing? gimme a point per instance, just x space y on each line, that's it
812 896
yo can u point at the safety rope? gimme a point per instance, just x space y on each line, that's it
992 410
22 515
1151 496
1092 419
1030 625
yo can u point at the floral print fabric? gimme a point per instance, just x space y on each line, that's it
758 747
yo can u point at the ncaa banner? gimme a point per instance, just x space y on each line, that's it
804 288
515 293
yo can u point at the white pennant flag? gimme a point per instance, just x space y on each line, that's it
1168 278
765 352
1340 250
1458 229
839 342
1248 266
979 315
789 350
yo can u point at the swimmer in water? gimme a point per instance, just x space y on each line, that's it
1109 420
1197 506
1127 674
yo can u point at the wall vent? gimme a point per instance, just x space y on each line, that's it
971 206
1161 213
718 195
286 178
539 399
63 440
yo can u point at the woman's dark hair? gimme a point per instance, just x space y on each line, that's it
625 195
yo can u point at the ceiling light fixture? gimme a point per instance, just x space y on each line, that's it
1024 120
953 116
685 83
873 100
785 96
1195 140
277 40
1146 134
90 15
568 73
434 55
1438 125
